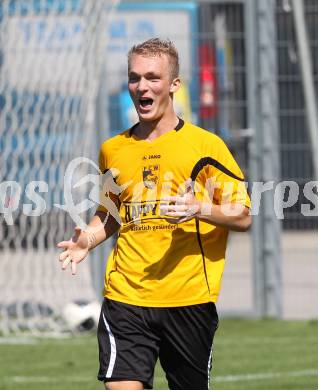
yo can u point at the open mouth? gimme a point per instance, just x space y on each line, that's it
145 102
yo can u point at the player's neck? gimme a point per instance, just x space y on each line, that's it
150 130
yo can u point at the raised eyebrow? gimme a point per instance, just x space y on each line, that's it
152 74
133 74
148 74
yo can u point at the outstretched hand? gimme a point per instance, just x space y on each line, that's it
181 208
75 249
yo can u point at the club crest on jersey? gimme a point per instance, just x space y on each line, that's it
150 175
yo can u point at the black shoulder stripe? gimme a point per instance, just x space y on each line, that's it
179 125
203 162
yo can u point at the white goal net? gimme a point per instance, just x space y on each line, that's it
50 63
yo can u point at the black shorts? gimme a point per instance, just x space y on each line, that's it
131 338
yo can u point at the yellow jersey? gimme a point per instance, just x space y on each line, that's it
156 262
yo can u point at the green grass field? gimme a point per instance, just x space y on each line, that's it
248 355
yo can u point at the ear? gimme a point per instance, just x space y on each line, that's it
175 85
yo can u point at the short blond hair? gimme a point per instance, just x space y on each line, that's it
156 47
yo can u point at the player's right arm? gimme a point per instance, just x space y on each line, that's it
104 224
101 227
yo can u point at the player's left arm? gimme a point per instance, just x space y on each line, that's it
234 216
231 215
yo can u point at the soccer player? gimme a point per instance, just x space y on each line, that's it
178 192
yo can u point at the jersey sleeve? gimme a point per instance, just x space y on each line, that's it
108 193
230 179
225 182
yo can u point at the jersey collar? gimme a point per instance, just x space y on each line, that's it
177 128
